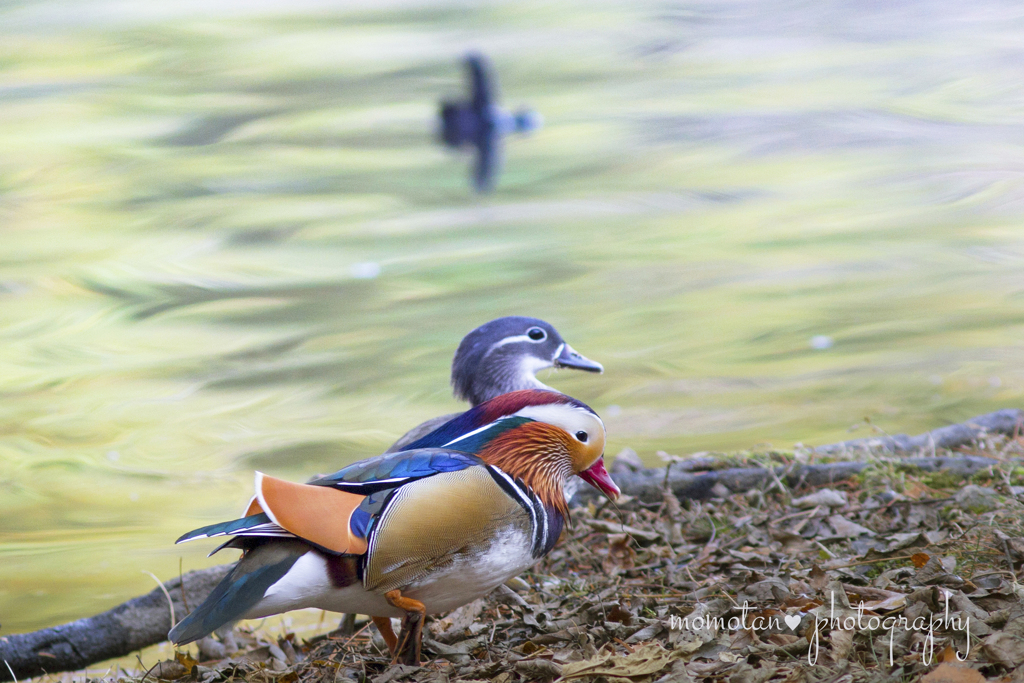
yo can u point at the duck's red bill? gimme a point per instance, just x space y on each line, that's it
597 476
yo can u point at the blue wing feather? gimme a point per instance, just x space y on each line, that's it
360 522
469 432
461 424
394 469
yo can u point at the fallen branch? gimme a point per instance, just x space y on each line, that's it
144 621
130 626
646 483
1006 421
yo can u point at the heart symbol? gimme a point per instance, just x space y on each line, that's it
792 621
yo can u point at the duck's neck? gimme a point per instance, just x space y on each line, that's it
537 454
514 374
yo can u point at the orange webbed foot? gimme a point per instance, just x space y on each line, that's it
383 625
411 638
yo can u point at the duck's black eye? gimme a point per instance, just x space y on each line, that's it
536 334
582 436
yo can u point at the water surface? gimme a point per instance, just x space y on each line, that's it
230 242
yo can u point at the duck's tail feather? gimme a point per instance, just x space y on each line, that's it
253 525
240 591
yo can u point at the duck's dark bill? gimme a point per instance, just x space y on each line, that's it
597 476
569 358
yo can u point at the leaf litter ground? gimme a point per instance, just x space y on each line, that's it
894 575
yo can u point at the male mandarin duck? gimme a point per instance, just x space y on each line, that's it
418 532
498 357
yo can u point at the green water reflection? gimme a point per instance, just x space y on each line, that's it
190 194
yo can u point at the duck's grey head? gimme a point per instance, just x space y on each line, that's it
505 355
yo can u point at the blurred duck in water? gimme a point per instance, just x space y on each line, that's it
481 124
498 357
412 533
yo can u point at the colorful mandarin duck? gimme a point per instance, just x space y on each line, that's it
418 532
501 356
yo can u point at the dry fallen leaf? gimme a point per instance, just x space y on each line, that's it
825 497
780 639
620 556
818 578
1004 648
460 619
887 604
847 529
842 643
645 661
641 535
616 613
947 673
168 670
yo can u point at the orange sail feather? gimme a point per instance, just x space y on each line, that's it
315 513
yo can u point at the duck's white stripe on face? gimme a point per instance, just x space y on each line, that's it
515 339
568 417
